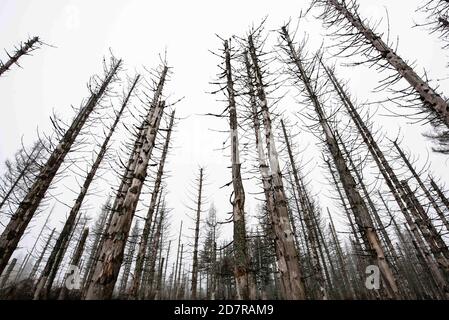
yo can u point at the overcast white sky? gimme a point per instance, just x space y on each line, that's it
137 31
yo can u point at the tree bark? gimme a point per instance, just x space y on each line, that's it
111 253
146 229
21 218
24 49
431 99
244 285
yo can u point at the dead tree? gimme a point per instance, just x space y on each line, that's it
75 262
196 238
110 259
21 218
98 232
429 197
16 179
8 272
245 285
41 256
440 194
309 218
156 244
174 284
23 49
132 242
391 179
58 252
292 286
356 201
360 38
146 229
438 266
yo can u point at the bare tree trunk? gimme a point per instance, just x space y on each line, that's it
178 282
129 259
196 239
154 253
423 187
341 261
349 185
292 286
440 194
439 267
58 251
19 274
432 100
75 262
145 232
24 49
177 265
111 253
430 234
41 256
8 272
309 221
19 221
244 285
31 159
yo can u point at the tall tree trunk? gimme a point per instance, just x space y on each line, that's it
75 261
349 185
21 218
439 268
341 261
309 221
58 251
196 239
177 265
241 267
423 187
440 193
146 229
8 272
41 256
37 149
111 253
431 99
129 259
291 278
24 49
154 252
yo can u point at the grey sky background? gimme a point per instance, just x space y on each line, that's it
138 31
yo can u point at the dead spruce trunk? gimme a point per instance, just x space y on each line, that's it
111 252
31 160
349 185
153 253
432 100
309 221
58 251
196 239
41 256
8 272
423 187
25 212
440 193
75 261
146 229
241 267
438 265
129 259
292 286
24 49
